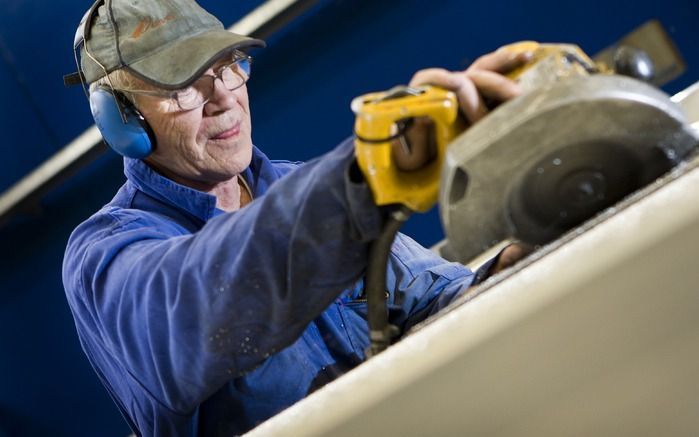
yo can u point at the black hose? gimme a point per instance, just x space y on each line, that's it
381 332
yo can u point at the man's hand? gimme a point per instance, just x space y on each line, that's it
509 256
483 80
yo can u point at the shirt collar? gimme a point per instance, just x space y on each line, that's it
199 204
259 175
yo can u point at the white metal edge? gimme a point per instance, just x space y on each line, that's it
623 236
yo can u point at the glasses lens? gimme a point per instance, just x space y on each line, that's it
236 74
233 77
191 97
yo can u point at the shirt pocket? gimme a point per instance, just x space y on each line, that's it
358 306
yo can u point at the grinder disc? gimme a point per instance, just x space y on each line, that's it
553 158
572 184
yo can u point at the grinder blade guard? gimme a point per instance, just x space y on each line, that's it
545 162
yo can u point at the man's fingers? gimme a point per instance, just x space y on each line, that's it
493 85
478 81
416 146
470 101
435 76
510 255
501 61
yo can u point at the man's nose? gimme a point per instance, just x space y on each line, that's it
222 99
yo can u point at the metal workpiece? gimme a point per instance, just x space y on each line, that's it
556 156
595 334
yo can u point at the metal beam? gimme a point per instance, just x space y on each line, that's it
80 152
265 20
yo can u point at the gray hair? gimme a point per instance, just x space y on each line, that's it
120 80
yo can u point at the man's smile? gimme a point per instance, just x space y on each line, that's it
228 133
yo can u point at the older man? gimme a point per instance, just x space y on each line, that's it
219 287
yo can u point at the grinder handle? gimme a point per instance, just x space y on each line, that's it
377 125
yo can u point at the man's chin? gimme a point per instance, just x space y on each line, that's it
238 163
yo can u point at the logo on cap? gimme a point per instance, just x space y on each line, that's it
148 24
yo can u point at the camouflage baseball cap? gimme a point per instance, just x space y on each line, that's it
168 43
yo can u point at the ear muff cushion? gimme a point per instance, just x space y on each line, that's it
132 139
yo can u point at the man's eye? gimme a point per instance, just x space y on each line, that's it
189 97
185 93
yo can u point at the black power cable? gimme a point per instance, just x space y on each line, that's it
381 331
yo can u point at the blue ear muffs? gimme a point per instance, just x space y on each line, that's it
133 139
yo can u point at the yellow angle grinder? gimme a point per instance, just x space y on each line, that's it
578 139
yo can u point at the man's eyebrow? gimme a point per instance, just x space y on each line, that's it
226 60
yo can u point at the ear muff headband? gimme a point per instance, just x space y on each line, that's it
130 135
133 139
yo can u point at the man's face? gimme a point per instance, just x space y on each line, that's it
204 146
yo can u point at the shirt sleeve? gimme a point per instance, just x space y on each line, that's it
420 283
185 314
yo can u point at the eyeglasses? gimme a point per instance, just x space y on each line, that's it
233 76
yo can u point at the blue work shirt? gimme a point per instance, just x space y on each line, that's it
201 322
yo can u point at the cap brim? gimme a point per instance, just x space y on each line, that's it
182 62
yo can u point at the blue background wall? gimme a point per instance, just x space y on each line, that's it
300 93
